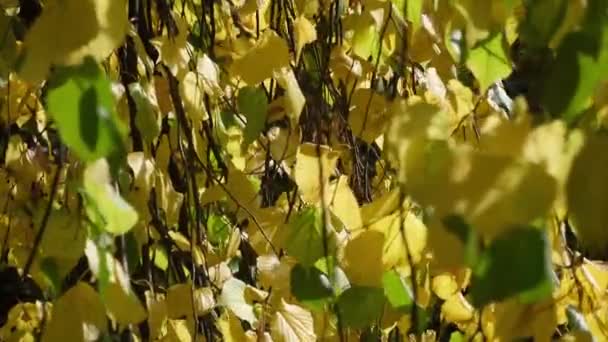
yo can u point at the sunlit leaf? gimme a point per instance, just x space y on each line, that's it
116 215
397 292
292 323
304 32
102 26
233 297
78 315
82 107
270 54
488 61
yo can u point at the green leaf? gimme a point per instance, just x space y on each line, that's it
159 255
413 11
397 292
543 19
574 75
516 263
305 239
488 61
457 336
50 269
104 205
360 306
252 102
366 39
218 229
310 286
82 106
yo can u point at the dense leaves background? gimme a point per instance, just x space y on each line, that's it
301 170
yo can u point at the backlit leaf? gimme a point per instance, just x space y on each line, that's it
83 109
291 323
488 61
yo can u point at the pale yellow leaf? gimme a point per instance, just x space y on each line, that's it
102 26
291 323
343 203
314 165
294 99
304 32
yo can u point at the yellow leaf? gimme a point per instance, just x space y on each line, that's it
254 295
183 300
395 252
167 198
270 54
380 207
274 273
271 231
64 240
593 280
284 144
343 204
313 169
123 306
174 51
231 328
22 320
78 315
294 99
368 114
102 26
143 181
292 323
191 89
457 309
157 313
587 200
178 331
444 285
577 336
304 32
510 319
492 191
365 269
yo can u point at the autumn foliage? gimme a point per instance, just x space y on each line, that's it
303 170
